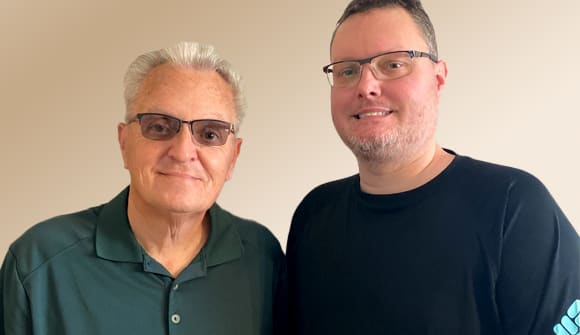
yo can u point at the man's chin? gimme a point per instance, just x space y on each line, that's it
373 149
184 204
186 209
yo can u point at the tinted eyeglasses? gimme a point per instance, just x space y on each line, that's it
162 127
386 66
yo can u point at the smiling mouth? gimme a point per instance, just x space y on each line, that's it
371 114
178 175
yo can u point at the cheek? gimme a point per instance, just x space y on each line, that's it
417 94
336 100
216 164
341 104
140 157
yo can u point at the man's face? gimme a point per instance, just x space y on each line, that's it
179 176
386 120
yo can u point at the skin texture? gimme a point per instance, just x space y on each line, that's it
394 139
174 182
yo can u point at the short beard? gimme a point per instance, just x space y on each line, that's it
395 147
378 149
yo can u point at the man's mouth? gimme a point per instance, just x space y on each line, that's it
371 114
177 174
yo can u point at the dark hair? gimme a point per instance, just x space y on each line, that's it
413 7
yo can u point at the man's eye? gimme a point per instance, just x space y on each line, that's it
158 128
392 65
346 72
211 135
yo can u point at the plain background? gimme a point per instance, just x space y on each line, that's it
511 96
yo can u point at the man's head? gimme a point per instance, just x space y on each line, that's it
386 80
413 7
179 167
185 54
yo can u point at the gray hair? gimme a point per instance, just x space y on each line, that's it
413 7
189 54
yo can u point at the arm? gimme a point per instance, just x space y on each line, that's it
14 307
539 277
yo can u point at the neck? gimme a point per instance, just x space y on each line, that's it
173 240
403 175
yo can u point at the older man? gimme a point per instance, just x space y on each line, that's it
422 240
161 257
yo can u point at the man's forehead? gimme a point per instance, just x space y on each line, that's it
376 31
174 90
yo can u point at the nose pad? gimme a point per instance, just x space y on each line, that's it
188 129
183 146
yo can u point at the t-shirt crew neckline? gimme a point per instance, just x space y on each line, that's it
407 198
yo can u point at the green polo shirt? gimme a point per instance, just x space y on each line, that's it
84 273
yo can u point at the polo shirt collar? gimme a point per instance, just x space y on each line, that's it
224 243
114 239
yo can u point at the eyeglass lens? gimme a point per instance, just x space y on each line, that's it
161 127
388 66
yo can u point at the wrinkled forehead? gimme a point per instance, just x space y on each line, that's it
185 92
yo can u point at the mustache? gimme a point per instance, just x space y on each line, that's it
374 104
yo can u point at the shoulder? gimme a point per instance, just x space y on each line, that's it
508 178
321 204
49 238
334 186
467 164
524 200
254 236
329 192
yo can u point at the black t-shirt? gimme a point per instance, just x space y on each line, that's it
480 249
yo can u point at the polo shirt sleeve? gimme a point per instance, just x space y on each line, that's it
539 277
14 307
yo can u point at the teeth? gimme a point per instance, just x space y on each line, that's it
363 115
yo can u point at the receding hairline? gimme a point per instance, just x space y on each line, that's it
191 55
171 66
185 67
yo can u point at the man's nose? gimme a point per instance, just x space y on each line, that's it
184 147
368 85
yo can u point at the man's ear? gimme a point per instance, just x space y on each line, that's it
121 137
237 148
440 75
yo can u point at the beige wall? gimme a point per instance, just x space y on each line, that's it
511 97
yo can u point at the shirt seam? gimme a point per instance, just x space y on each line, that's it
48 259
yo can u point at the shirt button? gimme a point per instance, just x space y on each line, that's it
175 287
175 318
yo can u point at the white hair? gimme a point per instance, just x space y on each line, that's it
189 54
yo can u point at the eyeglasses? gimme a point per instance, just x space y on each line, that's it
162 127
386 66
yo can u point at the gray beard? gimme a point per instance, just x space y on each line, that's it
393 147
399 144
378 149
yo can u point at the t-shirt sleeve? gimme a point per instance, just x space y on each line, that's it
538 287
